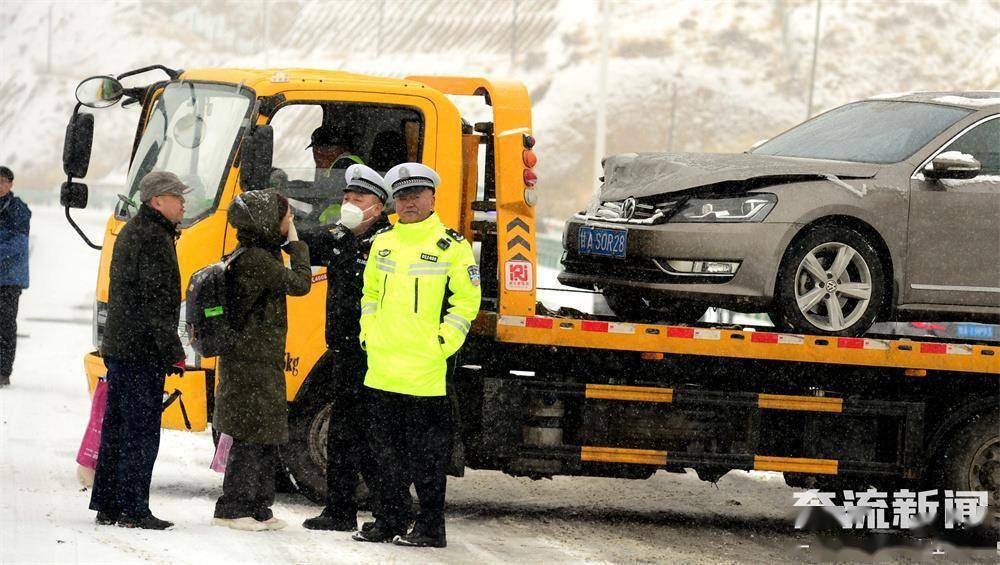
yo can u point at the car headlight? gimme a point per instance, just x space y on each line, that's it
747 208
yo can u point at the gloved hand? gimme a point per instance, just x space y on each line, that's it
292 234
176 369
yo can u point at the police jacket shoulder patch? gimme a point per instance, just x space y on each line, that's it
454 234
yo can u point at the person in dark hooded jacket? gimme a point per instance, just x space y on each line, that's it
251 401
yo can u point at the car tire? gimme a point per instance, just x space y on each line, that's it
830 282
632 307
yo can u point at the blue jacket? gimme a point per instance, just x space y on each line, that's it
15 219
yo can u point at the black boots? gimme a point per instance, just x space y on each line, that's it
420 537
380 532
147 523
324 522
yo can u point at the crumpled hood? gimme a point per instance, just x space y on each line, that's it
647 174
256 215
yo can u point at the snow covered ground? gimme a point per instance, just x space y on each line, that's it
492 518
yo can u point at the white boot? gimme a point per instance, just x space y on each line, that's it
274 523
246 523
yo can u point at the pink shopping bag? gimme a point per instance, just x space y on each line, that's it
91 445
221 453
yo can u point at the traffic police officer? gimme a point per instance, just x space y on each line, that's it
421 294
343 250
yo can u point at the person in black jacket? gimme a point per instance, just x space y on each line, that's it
140 348
343 250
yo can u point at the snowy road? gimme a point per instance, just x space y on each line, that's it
492 518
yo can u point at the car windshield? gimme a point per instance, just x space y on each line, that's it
874 131
191 132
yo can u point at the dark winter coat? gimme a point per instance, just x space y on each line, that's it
344 255
250 401
144 297
15 220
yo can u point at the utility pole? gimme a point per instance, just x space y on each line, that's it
673 117
48 45
513 34
263 34
812 72
601 126
378 32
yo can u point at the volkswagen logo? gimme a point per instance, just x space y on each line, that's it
628 208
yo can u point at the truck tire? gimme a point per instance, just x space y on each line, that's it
305 453
971 462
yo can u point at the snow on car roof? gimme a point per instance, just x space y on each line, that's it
973 100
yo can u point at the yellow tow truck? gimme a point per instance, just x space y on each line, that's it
539 393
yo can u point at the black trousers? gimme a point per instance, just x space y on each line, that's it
130 438
248 488
347 449
410 437
10 296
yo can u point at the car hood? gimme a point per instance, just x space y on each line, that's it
648 174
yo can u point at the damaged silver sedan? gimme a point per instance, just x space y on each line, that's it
880 209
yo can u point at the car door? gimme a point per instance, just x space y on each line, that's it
953 236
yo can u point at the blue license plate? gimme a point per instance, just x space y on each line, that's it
603 241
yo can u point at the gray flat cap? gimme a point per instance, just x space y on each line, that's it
158 183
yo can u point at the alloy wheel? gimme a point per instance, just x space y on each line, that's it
833 286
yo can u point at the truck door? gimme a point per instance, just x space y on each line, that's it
380 130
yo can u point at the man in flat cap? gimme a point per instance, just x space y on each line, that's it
421 293
343 250
140 347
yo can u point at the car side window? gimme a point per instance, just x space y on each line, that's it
983 143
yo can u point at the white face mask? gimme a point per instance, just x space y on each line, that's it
351 216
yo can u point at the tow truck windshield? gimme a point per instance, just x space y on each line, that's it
192 131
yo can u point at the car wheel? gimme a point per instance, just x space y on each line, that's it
633 307
830 282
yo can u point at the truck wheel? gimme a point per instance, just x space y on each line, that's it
971 462
830 282
305 453
632 307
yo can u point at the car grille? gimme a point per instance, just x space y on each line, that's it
632 211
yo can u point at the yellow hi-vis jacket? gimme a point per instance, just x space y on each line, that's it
421 294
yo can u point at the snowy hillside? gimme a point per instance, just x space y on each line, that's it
729 72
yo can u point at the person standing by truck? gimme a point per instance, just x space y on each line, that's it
421 294
15 220
343 250
251 403
140 347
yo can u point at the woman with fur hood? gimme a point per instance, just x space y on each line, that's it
250 401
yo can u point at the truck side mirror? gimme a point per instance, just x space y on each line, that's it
76 148
99 92
256 154
73 195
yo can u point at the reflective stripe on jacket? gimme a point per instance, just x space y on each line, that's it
421 294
